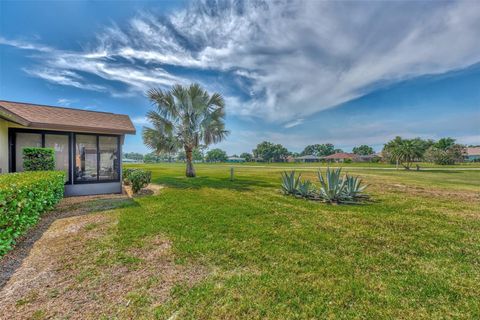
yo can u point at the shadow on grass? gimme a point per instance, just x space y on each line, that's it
238 184
68 207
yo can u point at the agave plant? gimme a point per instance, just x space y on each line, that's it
290 182
305 189
332 186
354 187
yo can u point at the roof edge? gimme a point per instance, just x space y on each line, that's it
10 116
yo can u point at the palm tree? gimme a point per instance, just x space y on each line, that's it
184 117
406 151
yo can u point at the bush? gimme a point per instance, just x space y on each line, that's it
23 198
333 187
126 175
347 161
38 159
137 178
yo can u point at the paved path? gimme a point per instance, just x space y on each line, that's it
352 168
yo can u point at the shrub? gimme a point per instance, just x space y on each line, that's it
23 198
126 175
333 187
305 189
347 161
137 178
290 182
38 159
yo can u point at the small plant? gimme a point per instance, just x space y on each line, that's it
332 186
38 159
290 182
139 179
305 189
354 188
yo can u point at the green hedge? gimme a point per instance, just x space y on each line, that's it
23 198
38 159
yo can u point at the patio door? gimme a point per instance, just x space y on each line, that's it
58 141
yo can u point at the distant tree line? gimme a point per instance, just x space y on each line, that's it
400 151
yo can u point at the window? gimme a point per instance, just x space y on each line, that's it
59 143
96 158
109 162
25 140
85 158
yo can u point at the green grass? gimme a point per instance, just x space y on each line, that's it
414 252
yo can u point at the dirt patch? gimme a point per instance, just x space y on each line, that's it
435 192
77 271
151 189
68 207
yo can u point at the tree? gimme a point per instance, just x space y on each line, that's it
181 156
319 150
151 158
197 154
406 151
216 155
185 117
247 156
133 156
271 152
444 143
363 150
390 146
445 151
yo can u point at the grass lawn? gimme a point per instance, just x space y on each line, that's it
412 253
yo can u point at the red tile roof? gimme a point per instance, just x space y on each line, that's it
473 151
67 119
341 155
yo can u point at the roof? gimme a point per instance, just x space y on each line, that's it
236 158
308 157
341 155
68 119
473 151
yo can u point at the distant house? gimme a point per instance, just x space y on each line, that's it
341 157
127 160
308 158
472 154
87 144
235 159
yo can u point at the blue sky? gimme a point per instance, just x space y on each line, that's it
295 73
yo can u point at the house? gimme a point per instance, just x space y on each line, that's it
235 159
472 154
87 144
308 158
341 157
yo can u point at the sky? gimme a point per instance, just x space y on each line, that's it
291 72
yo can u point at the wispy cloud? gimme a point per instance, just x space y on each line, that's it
65 102
141 121
292 58
64 77
293 123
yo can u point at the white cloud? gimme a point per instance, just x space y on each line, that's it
297 58
65 102
293 123
141 121
64 77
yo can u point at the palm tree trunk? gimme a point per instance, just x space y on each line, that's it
190 172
